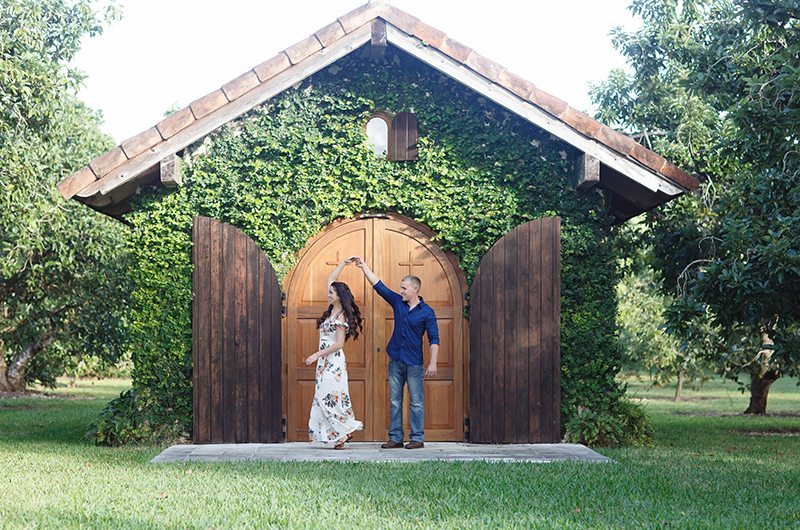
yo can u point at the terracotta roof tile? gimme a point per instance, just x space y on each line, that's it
299 51
454 49
676 174
104 163
241 85
519 86
358 17
400 19
487 68
272 66
175 122
581 122
615 140
646 156
330 33
208 104
76 182
548 102
141 142
428 34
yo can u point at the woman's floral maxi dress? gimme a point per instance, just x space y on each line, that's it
332 415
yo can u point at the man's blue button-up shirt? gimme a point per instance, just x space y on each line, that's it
409 326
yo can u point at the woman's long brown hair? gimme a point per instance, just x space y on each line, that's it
351 312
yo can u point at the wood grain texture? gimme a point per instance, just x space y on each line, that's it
236 338
515 362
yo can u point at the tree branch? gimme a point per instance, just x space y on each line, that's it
682 275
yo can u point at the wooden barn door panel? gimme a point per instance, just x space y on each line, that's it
236 338
515 360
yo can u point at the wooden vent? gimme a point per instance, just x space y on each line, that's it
403 137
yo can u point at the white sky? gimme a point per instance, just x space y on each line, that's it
170 52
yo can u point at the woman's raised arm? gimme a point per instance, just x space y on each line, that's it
335 273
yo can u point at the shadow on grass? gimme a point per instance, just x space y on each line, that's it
34 420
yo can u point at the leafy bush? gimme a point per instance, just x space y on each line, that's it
133 418
637 429
625 424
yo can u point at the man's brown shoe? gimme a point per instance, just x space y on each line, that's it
415 445
391 444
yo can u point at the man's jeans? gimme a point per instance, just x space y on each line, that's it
400 374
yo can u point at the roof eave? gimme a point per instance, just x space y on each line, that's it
119 168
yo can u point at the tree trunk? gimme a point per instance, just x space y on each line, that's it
761 377
3 371
12 376
679 386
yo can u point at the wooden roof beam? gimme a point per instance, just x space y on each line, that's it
588 172
170 171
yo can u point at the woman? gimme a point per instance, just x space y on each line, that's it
332 418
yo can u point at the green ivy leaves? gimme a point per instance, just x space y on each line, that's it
287 169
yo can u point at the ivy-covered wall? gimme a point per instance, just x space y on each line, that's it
287 169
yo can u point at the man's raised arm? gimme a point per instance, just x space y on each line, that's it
387 294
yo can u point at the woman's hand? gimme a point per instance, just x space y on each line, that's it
311 359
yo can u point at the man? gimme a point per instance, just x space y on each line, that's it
412 318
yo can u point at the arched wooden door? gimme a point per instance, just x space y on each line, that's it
393 247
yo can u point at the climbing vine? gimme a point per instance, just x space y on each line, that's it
291 166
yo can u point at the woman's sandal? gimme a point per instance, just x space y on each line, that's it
340 445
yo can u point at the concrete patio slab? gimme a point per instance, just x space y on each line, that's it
372 452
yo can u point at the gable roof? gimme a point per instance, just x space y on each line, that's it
637 178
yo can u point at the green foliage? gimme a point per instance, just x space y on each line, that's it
594 429
90 367
63 275
137 416
714 87
625 423
643 307
640 320
290 167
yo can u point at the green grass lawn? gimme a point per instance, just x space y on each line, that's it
707 470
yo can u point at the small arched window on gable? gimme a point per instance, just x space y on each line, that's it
395 138
378 134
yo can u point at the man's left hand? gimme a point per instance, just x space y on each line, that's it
431 371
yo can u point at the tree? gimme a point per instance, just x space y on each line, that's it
714 86
62 267
645 343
